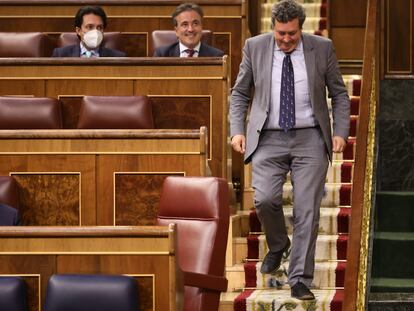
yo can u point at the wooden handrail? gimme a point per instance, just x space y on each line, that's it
357 253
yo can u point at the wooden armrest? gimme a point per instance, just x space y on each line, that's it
207 281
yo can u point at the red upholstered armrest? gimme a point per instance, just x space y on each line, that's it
206 281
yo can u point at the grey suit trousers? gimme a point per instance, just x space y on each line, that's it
303 153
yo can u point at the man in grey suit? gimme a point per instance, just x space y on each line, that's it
289 130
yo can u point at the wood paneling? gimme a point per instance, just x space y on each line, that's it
343 13
132 17
49 184
398 37
346 25
108 167
49 199
137 197
146 253
195 89
348 42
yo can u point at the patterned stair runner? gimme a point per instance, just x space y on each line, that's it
271 292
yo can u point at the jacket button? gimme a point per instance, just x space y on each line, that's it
258 131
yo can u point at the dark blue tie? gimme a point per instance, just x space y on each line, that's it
287 95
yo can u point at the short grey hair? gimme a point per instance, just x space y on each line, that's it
184 8
286 11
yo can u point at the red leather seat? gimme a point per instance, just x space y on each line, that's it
200 208
115 112
111 40
168 37
9 202
24 44
30 113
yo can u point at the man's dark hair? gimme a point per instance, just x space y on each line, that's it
186 7
96 10
286 11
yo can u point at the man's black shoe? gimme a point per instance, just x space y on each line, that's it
272 261
301 291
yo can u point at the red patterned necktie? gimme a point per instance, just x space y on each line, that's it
287 117
190 52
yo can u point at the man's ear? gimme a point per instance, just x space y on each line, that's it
78 31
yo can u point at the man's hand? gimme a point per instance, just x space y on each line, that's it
338 144
238 142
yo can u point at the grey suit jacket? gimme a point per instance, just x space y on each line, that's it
256 72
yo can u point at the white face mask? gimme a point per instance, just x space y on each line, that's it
92 39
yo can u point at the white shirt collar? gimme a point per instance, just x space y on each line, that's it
83 50
183 48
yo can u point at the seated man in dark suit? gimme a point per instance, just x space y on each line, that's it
187 19
9 216
90 22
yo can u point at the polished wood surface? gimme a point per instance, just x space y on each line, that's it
397 34
146 253
97 177
369 96
346 25
136 19
186 93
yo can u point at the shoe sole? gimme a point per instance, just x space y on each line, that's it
304 297
285 255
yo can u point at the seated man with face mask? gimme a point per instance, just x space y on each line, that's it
90 22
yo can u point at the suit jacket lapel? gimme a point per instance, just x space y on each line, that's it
310 61
202 50
76 50
175 51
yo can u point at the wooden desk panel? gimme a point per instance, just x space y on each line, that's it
146 253
97 177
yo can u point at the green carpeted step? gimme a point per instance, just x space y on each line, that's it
393 254
394 211
392 285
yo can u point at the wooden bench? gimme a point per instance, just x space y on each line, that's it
97 177
186 93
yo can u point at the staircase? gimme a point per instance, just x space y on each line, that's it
248 289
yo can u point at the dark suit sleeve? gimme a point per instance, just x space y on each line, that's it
55 52
157 53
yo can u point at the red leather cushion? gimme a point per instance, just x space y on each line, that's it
115 112
24 44
30 113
